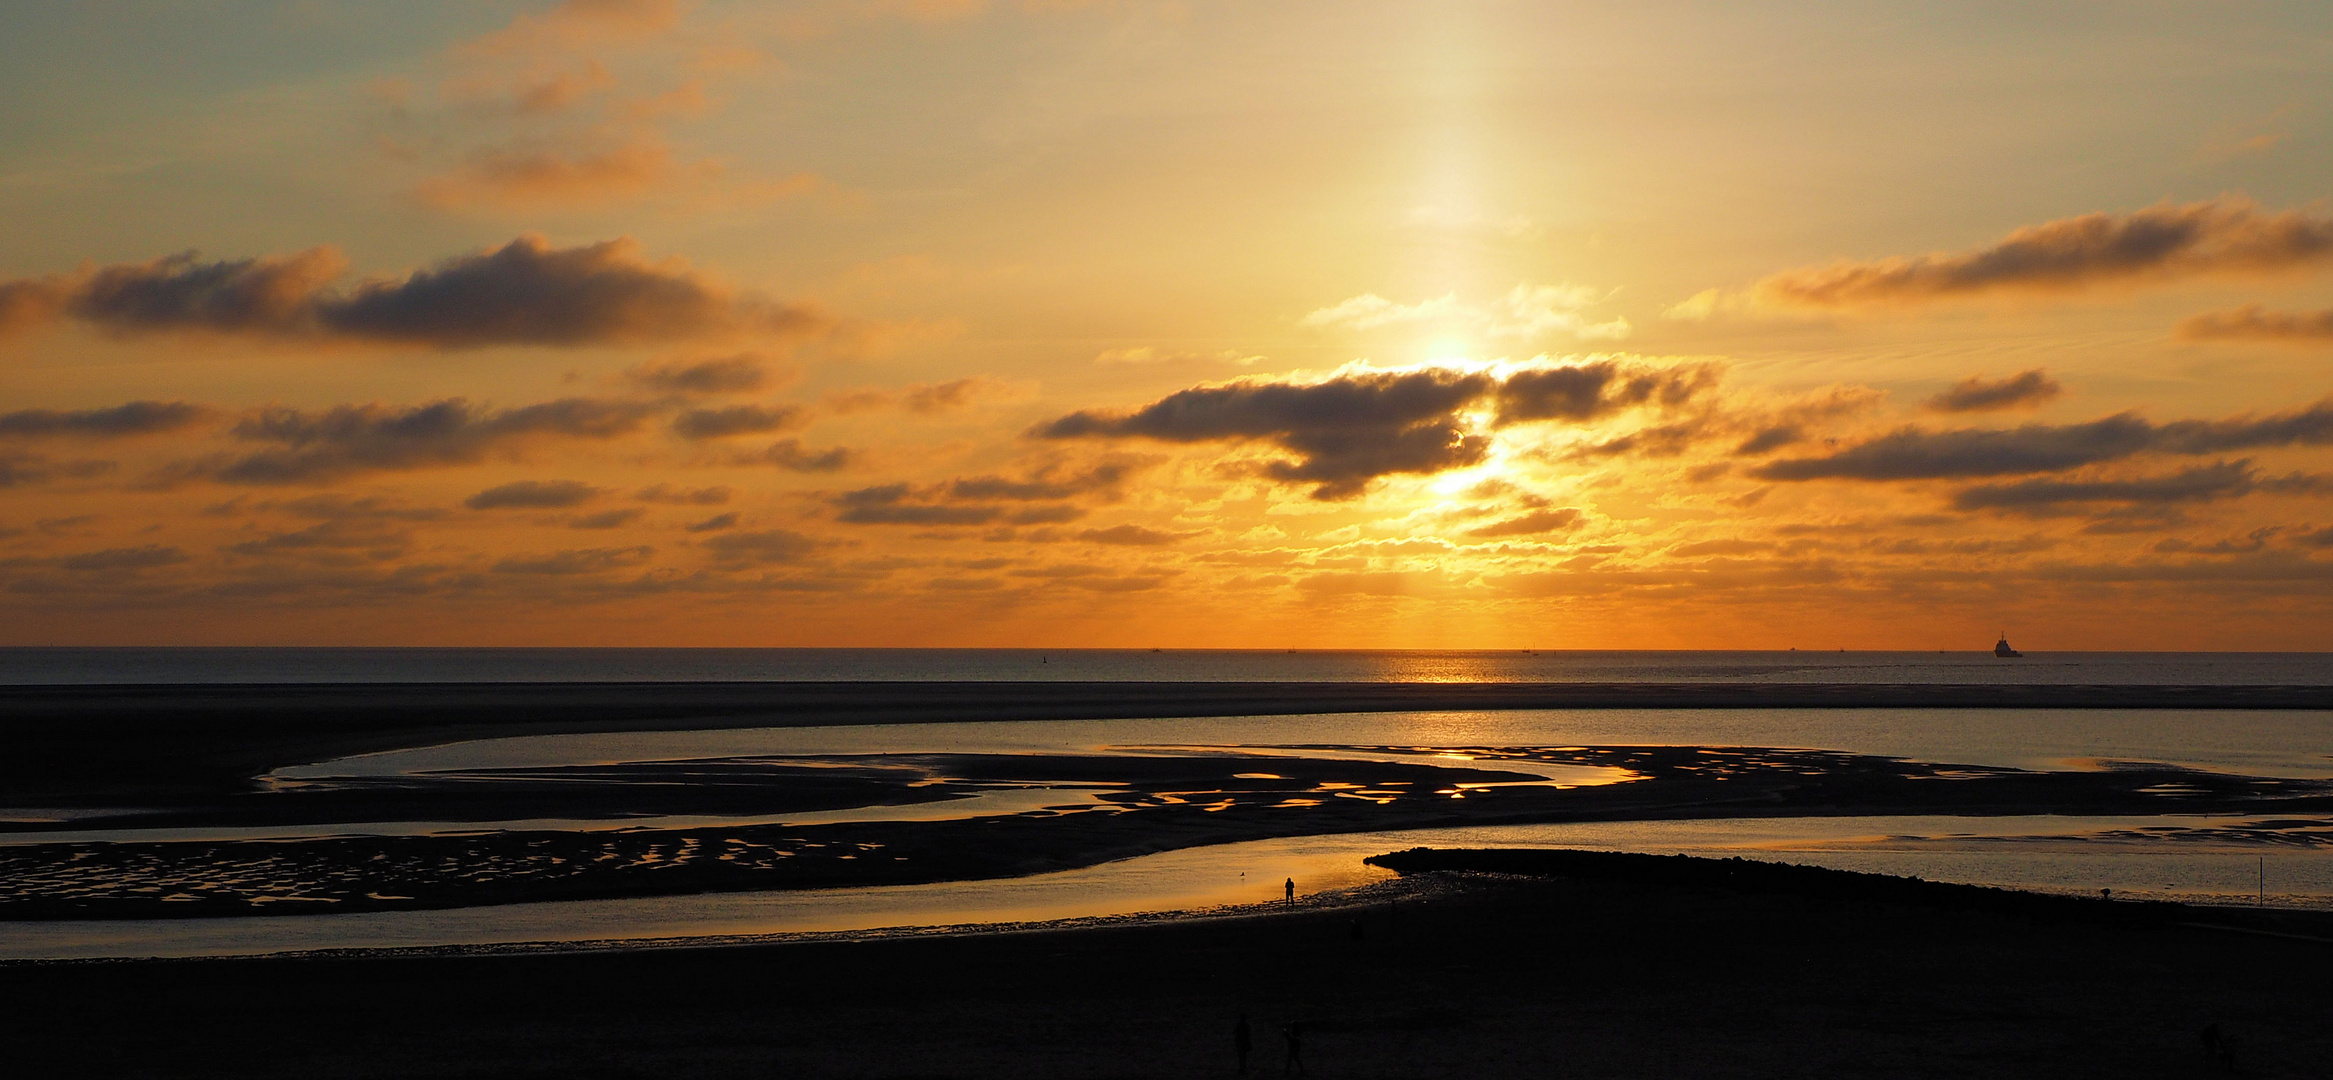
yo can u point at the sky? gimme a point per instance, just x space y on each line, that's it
1361 324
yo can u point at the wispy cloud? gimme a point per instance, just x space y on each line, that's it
2162 242
2024 390
2255 323
1913 453
1527 312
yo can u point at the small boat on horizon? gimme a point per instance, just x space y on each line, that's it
2001 648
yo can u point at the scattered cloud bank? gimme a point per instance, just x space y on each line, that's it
2255 323
320 447
120 421
1046 495
525 292
2162 242
1362 423
2024 390
1914 453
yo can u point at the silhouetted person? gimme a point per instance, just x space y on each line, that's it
1294 1033
2211 1042
1243 1039
1291 892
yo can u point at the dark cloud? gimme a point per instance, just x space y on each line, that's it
129 558
670 495
525 292
2023 390
534 495
791 454
1352 428
735 420
1050 482
2159 242
1531 524
20 470
760 547
1763 441
314 447
1913 453
134 418
2315 537
972 500
2255 323
2222 480
727 375
1588 391
895 504
577 561
607 519
374 538
343 507
716 523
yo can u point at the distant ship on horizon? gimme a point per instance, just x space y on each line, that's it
2001 648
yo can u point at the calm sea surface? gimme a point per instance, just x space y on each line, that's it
53 666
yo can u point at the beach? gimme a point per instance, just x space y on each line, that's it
1441 973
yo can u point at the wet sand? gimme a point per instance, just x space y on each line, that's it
1140 805
104 745
1662 967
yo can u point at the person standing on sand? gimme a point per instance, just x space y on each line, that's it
1294 1034
1243 1039
1291 892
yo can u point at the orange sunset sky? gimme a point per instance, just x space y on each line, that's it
1185 324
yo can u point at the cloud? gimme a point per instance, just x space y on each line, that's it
580 23
2024 390
2255 323
1363 423
1913 453
921 398
20 470
764 546
129 558
1144 354
742 373
534 495
134 418
525 292
575 561
345 440
607 519
1531 524
2221 480
375 538
1527 311
2162 242
791 454
673 496
716 523
699 424
900 504
1132 536
536 176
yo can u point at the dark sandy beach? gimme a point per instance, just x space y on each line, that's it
1670 968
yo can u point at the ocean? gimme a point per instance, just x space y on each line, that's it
75 665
